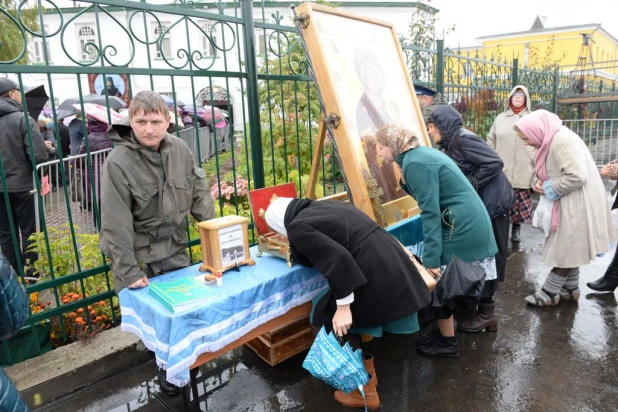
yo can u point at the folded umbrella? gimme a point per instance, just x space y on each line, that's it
339 366
460 287
98 112
36 98
114 102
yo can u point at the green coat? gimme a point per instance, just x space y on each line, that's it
455 221
145 197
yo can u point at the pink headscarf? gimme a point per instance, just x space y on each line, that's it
540 127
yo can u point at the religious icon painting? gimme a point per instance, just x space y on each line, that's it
364 82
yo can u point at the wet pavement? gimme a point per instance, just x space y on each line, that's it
562 358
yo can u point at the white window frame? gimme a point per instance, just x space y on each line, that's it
86 33
208 49
260 35
37 51
166 42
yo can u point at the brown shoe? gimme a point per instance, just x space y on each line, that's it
369 366
354 399
485 319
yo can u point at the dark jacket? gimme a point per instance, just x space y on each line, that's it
479 163
76 134
98 139
48 135
455 221
65 139
13 314
15 146
355 255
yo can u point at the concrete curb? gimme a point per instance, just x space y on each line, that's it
70 368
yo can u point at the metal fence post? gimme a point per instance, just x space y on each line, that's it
440 67
253 102
556 87
515 72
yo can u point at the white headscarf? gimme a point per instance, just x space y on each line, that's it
275 214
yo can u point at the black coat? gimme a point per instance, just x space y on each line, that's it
355 255
65 139
15 146
477 160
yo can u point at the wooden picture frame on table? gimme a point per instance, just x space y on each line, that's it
360 70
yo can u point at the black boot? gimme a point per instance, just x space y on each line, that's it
485 319
439 346
166 388
515 238
604 284
609 281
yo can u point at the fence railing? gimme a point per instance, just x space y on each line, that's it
205 141
600 135
79 187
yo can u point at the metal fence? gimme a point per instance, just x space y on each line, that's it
80 186
600 135
250 63
209 143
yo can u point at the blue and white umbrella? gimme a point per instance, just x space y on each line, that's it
339 366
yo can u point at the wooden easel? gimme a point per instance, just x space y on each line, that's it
315 166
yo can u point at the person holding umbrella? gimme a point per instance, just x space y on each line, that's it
374 284
16 151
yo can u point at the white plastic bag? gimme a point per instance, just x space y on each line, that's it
542 215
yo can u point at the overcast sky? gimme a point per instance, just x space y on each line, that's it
476 18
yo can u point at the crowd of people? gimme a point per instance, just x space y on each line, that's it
471 193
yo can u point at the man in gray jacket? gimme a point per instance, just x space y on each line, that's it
149 183
16 153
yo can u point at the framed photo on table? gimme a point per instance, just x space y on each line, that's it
364 83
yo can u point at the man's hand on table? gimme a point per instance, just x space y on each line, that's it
342 321
142 283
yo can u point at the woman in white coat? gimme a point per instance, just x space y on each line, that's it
581 224
517 157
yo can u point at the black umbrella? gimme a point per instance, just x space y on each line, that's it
36 97
114 102
62 113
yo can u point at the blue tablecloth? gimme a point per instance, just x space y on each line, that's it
247 299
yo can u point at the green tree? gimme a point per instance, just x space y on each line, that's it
12 35
422 33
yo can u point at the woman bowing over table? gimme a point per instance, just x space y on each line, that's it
374 286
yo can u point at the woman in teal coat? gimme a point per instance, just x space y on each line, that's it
455 220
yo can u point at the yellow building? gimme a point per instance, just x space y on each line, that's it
571 47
